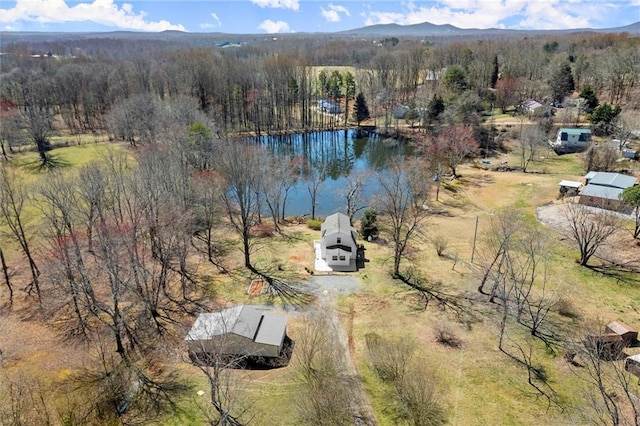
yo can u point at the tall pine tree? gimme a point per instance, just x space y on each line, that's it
562 83
360 109
495 73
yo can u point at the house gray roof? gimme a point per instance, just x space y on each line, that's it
337 222
531 104
590 175
608 179
247 321
600 191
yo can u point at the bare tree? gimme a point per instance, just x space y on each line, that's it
600 158
314 174
418 391
227 406
454 144
353 194
589 228
13 197
208 211
279 177
402 201
6 276
612 394
239 165
530 143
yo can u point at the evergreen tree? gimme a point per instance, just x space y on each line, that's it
455 79
495 73
360 109
368 224
603 119
562 83
589 96
434 109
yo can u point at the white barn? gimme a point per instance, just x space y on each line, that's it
240 330
338 247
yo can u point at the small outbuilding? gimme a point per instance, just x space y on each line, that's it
632 364
241 330
626 332
603 189
338 247
569 188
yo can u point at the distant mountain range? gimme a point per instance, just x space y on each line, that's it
424 29
433 30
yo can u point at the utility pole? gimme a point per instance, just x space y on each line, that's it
475 235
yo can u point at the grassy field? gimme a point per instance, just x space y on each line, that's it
480 384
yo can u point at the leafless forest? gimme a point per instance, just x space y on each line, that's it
114 257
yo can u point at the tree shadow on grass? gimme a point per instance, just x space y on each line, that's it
622 275
52 163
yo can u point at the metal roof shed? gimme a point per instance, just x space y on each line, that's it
614 180
628 334
239 330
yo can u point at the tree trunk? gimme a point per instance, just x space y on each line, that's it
7 281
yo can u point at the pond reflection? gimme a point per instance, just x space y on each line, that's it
342 154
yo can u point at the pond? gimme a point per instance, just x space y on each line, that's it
344 155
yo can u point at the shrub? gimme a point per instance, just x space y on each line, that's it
368 227
418 392
567 308
389 357
440 243
446 335
314 224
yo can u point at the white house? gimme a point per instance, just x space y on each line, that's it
338 246
240 330
571 140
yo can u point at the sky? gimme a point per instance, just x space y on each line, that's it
291 16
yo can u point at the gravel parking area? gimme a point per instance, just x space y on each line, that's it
334 284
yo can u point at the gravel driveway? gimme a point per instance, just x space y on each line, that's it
334 284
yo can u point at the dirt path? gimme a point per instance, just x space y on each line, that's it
327 287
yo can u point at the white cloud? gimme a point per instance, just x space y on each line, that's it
272 27
209 25
522 14
278 4
104 12
215 17
333 13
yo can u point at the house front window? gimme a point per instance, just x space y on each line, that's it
342 258
334 258
339 240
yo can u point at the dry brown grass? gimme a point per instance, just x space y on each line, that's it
484 386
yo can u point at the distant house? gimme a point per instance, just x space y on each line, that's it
535 108
329 107
571 140
603 189
338 245
240 330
